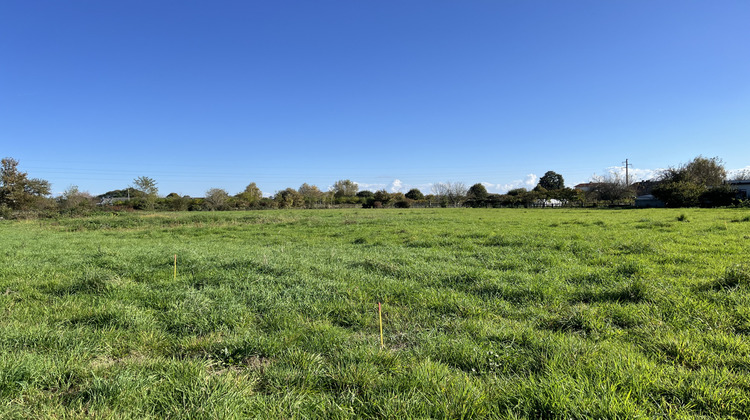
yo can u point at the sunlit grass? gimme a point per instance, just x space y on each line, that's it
487 313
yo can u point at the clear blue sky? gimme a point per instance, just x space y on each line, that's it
201 94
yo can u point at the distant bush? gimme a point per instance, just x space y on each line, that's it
403 204
414 194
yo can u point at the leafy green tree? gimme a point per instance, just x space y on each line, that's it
719 196
289 198
382 197
123 193
570 196
175 202
344 188
365 194
519 197
148 187
216 199
692 184
709 172
477 192
17 191
75 201
311 195
551 181
402 204
477 195
679 193
250 196
414 194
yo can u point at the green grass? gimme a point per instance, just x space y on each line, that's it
505 313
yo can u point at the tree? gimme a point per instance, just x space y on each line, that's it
382 197
450 193
477 195
692 184
311 194
551 181
176 202
216 199
414 194
250 196
519 197
365 194
722 195
709 172
148 187
610 188
308 190
741 175
75 201
344 188
17 191
289 198
679 193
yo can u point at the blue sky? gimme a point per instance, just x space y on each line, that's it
390 94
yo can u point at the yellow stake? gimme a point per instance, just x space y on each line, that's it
380 315
175 266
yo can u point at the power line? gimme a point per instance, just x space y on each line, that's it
627 165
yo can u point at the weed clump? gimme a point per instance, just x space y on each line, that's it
735 275
629 269
635 291
91 281
579 319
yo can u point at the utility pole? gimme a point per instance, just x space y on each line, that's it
627 179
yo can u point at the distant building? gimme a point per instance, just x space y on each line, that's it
108 201
648 200
742 187
550 202
644 187
587 186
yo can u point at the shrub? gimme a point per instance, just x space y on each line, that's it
5 212
403 204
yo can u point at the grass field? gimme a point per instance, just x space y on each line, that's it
487 314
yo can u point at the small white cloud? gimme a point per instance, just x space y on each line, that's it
488 185
528 182
742 173
635 174
369 187
394 186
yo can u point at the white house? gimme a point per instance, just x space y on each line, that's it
742 187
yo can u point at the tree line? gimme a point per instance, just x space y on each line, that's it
700 182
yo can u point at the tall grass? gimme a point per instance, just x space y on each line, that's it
487 313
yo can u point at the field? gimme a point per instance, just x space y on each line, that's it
506 313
